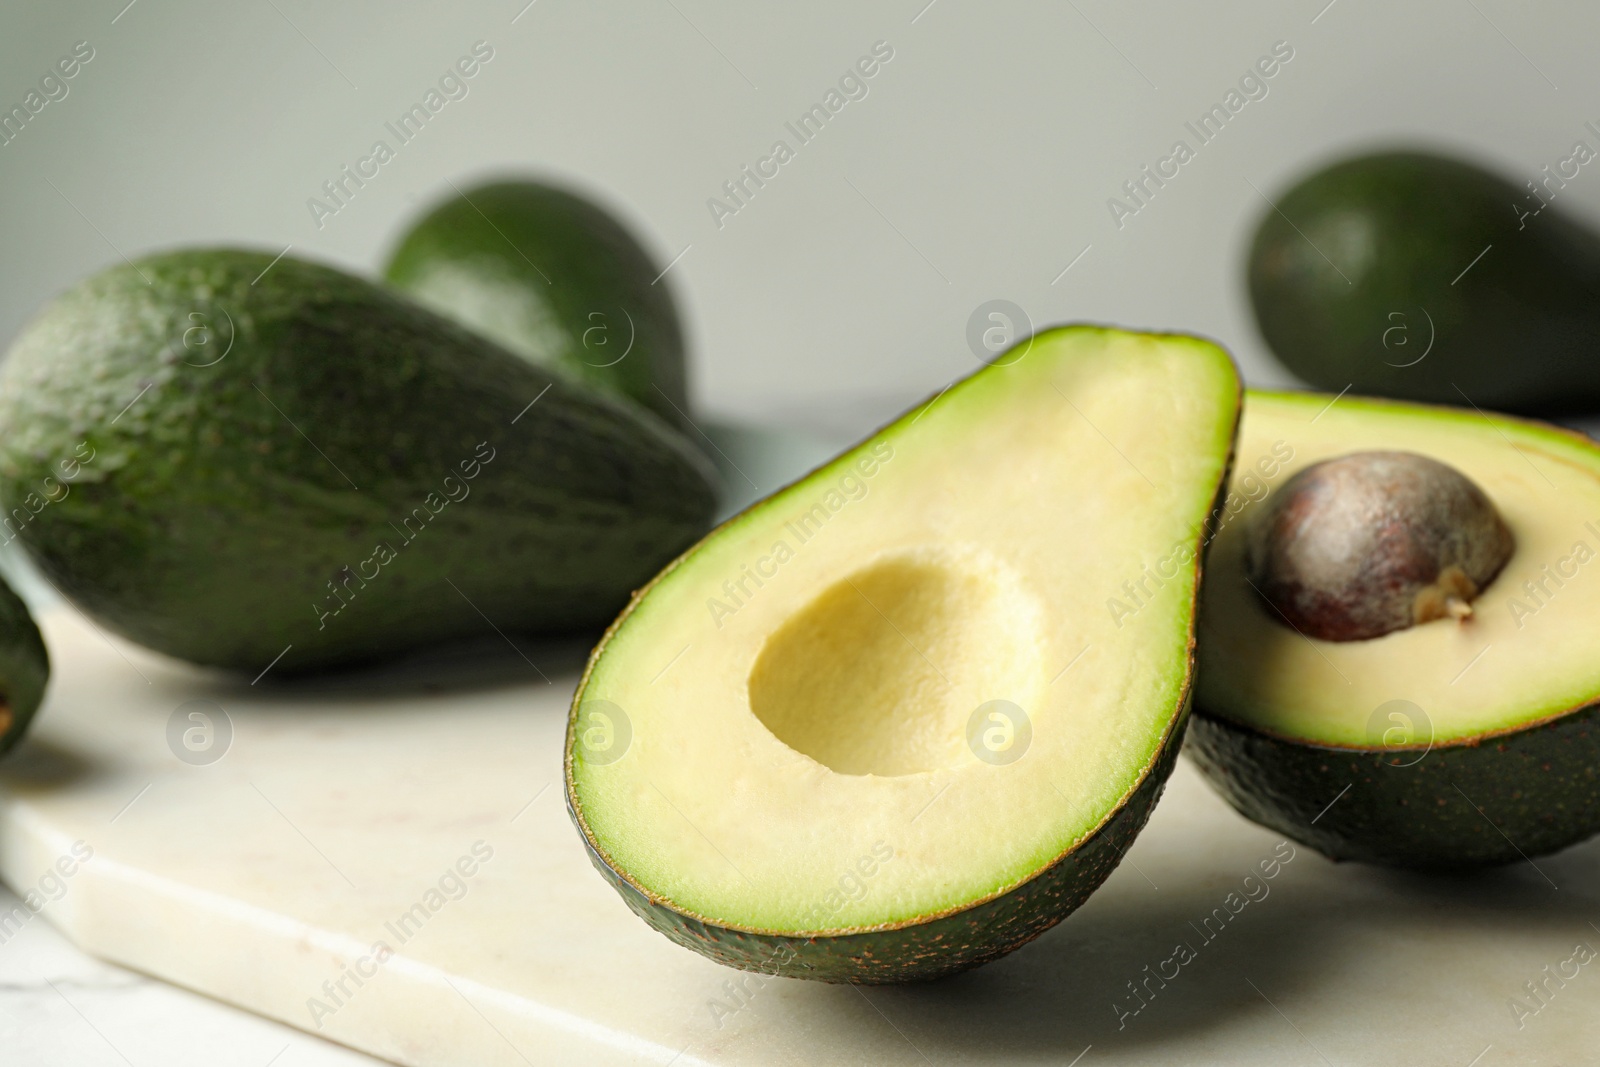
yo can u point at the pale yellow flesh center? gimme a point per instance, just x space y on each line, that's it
881 672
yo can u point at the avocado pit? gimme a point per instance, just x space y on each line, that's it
1369 543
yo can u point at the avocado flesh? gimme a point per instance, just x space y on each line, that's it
1364 266
788 739
555 279
230 459
1284 722
24 668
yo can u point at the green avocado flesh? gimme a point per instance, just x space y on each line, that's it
555 279
882 725
230 460
1424 278
1462 743
24 668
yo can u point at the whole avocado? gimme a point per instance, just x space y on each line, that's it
1424 278
240 462
557 280
24 668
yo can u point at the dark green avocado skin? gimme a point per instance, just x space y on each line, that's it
1362 263
932 948
24 668
1506 798
224 458
557 280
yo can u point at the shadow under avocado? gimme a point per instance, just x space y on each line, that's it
473 665
37 766
1110 974
1106 976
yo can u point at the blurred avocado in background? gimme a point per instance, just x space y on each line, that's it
557 280
1414 276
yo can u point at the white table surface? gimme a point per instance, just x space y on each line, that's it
59 1006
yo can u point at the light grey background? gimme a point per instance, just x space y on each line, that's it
978 167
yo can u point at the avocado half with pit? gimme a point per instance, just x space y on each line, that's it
882 726
1453 743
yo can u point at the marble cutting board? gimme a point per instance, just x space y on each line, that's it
420 806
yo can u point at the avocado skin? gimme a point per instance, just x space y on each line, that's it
207 525
930 948
1539 785
24 667
540 255
1515 332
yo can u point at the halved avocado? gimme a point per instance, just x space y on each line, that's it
1447 744
886 724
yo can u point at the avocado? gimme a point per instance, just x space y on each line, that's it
243 463
24 668
1461 738
557 280
1424 278
890 722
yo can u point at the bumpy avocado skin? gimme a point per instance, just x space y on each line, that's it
222 457
1500 800
24 668
934 947
1363 267
555 279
